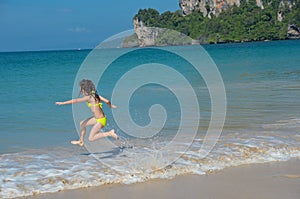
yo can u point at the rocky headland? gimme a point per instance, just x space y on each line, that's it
202 21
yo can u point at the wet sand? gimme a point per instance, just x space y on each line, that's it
257 181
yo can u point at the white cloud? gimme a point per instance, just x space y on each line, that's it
78 29
64 10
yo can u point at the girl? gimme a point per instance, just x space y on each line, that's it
98 121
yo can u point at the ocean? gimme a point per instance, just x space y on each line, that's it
262 123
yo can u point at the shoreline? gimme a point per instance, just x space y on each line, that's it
263 180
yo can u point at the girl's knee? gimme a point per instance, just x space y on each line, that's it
91 139
82 123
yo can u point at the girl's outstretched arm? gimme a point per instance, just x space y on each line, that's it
107 102
73 101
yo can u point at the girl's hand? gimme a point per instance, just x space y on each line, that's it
59 103
113 106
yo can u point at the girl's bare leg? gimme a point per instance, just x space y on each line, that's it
95 133
83 124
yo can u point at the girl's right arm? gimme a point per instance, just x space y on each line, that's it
107 102
73 101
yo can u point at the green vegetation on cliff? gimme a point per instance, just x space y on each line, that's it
248 22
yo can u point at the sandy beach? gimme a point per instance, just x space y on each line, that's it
260 181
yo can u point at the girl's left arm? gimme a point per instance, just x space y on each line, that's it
107 102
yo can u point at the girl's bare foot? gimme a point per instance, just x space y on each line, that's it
113 134
80 143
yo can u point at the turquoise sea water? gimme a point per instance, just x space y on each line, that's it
262 82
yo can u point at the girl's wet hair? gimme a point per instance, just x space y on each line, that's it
89 87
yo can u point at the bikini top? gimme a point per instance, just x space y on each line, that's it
90 104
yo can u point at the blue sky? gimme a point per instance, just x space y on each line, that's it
68 24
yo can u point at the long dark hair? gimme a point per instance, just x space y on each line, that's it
89 87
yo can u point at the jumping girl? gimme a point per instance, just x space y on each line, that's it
98 121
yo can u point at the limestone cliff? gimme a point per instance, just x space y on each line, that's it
293 32
207 7
146 35
215 7
153 36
